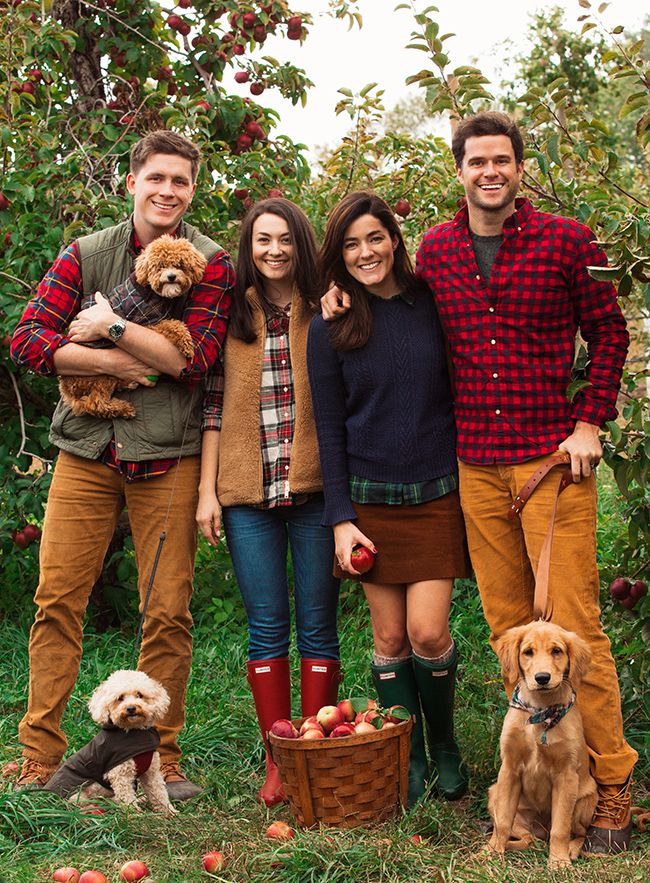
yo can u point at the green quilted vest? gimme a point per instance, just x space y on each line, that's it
164 413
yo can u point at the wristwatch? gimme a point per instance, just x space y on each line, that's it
116 330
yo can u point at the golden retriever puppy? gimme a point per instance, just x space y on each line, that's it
125 751
544 788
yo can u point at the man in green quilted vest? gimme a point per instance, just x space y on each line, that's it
149 463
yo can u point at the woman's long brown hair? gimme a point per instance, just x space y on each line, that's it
304 278
353 329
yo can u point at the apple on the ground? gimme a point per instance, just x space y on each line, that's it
134 870
213 861
279 831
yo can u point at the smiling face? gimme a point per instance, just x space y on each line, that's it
273 251
162 191
368 254
490 175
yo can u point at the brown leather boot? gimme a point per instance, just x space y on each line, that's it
35 774
611 826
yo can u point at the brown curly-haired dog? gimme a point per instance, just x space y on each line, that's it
126 706
165 270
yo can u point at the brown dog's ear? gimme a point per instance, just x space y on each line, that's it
507 649
142 268
197 267
579 657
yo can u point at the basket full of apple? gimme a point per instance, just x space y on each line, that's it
345 766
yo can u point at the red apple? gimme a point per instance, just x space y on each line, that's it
364 728
9 770
259 33
362 559
134 870
639 589
203 104
184 29
347 710
629 603
275 193
21 540
256 88
28 87
91 809
175 22
403 207
244 142
240 192
238 49
185 4
213 861
255 130
310 723
284 729
35 74
367 716
312 733
279 831
329 716
66 875
248 20
294 22
396 714
294 34
228 38
387 724
4 203
92 877
241 77
620 588
32 532
417 839
342 730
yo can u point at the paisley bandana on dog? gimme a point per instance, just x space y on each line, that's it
550 716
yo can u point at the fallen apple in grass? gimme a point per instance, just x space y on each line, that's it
66 875
93 877
134 870
213 861
362 559
10 769
280 831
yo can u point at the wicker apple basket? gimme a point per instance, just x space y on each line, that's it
346 782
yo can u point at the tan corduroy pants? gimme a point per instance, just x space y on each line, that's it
505 553
84 503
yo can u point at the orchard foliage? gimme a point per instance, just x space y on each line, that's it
81 81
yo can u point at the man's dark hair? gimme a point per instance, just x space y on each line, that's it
487 123
164 141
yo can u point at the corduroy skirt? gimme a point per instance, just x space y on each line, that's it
414 543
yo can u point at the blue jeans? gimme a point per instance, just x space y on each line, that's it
258 540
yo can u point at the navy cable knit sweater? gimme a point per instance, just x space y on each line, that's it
383 411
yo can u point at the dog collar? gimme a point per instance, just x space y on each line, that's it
549 717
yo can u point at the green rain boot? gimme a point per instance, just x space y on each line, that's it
436 684
395 685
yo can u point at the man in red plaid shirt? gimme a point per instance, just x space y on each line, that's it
149 463
512 288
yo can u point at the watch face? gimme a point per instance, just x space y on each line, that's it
116 330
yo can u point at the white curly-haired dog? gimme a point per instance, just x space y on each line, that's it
124 752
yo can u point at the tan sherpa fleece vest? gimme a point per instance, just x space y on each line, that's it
239 480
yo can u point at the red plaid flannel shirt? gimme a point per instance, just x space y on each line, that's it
43 326
513 339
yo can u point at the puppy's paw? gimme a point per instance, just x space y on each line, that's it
555 863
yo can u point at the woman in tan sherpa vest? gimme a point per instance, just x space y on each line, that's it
260 463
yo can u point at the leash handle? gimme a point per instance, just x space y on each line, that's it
540 599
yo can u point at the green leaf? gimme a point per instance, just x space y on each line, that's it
605 274
575 387
401 713
359 703
615 431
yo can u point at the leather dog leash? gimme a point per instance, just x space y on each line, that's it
540 600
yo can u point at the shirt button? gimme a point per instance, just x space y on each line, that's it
495 375
498 411
493 341
478 276
490 309
283 362
286 441
120 445
519 229
286 468
285 389
286 413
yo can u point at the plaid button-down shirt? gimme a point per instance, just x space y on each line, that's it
392 493
512 339
42 329
277 412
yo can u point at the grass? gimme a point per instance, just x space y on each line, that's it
222 751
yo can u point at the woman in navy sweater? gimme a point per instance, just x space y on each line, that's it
384 416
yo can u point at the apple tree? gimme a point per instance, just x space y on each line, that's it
80 83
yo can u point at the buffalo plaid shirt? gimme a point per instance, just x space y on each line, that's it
277 412
512 339
42 329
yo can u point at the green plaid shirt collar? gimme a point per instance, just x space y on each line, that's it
392 493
